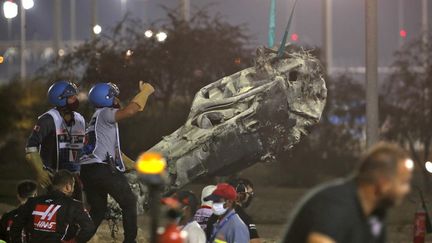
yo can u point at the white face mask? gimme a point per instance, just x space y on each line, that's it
218 208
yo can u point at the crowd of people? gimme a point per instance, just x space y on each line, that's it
220 218
71 157
57 217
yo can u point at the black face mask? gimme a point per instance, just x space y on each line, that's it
116 104
385 203
173 214
74 106
382 208
247 202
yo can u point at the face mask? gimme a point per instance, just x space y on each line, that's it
116 104
385 203
74 106
173 214
218 208
247 202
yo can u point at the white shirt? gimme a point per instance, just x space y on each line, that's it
103 139
194 233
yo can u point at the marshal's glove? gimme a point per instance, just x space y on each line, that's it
42 176
141 98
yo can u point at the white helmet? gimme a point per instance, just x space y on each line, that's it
207 191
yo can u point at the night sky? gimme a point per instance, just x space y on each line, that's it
348 21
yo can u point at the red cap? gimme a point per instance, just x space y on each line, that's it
223 190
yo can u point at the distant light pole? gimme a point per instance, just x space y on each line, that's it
57 38
272 24
185 7
327 32
123 7
401 22
9 28
425 18
23 43
96 28
73 20
25 5
10 11
425 34
372 113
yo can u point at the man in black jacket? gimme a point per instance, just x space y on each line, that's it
354 209
25 190
47 218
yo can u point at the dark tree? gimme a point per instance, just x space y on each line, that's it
194 54
407 103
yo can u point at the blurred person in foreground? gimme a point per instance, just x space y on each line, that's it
171 231
187 206
353 210
25 190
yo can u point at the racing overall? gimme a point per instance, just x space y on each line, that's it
50 217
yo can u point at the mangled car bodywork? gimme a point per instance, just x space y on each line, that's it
242 119
247 117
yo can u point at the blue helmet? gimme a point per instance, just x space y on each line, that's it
60 91
103 94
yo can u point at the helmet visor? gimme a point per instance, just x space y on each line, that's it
69 91
114 91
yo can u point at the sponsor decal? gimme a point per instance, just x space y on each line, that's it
45 217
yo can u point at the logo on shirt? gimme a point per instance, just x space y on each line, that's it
9 225
45 217
36 128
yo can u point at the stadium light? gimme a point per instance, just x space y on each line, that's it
10 9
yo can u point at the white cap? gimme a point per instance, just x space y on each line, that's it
207 191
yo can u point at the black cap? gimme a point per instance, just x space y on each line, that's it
187 198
